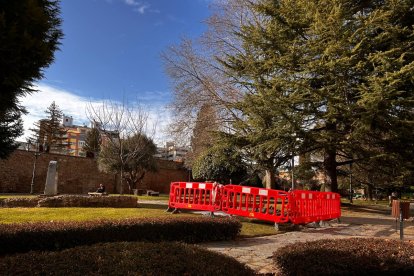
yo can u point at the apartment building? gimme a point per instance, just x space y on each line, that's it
172 152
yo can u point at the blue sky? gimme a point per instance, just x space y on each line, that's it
111 50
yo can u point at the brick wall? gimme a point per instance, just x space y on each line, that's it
76 175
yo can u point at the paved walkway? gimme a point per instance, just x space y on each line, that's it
360 222
257 252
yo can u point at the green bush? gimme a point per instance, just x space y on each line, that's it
354 256
26 202
59 235
71 201
133 258
88 201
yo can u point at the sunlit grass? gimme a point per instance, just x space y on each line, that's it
253 229
22 215
29 215
367 203
160 197
18 196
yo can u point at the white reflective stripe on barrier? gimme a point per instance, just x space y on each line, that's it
263 192
328 196
246 190
333 196
303 196
310 196
202 186
189 185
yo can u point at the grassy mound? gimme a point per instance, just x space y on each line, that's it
354 256
133 258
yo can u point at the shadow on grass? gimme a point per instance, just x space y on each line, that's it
380 209
152 206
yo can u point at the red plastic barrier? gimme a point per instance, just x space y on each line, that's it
309 206
263 204
298 207
196 196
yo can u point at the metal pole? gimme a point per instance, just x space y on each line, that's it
293 177
401 222
350 183
33 175
36 154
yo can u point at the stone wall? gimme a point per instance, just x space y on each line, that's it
76 175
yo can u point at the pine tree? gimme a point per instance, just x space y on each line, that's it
92 142
30 34
11 127
49 133
325 76
203 136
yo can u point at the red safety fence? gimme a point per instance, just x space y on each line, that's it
263 204
298 207
309 206
197 196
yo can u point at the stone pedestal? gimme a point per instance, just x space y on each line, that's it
51 179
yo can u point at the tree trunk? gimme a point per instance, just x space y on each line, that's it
369 191
121 189
269 179
330 170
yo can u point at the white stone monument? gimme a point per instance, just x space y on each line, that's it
51 179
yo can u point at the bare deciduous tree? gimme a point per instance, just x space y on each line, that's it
127 146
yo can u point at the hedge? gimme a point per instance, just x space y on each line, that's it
71 201
354 256
59 235
132 258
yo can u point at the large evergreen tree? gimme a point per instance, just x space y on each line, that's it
29 36
333 77
203 136
222 163
93 142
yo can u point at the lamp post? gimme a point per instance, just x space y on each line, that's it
293 177
350 183
36 154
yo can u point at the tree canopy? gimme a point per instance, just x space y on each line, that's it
126 147
222 163
332 79
93 142
137 159
49 132
29 36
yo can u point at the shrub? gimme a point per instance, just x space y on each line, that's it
354 256
89 201
134 258
59 235
19 202
71 201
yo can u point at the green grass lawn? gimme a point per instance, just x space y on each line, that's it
366 203
24 215
14 195
156 198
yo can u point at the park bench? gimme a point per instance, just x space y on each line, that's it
97 194
152 193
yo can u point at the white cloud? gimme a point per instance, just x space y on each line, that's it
138 6
142 9
132 2
75 106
